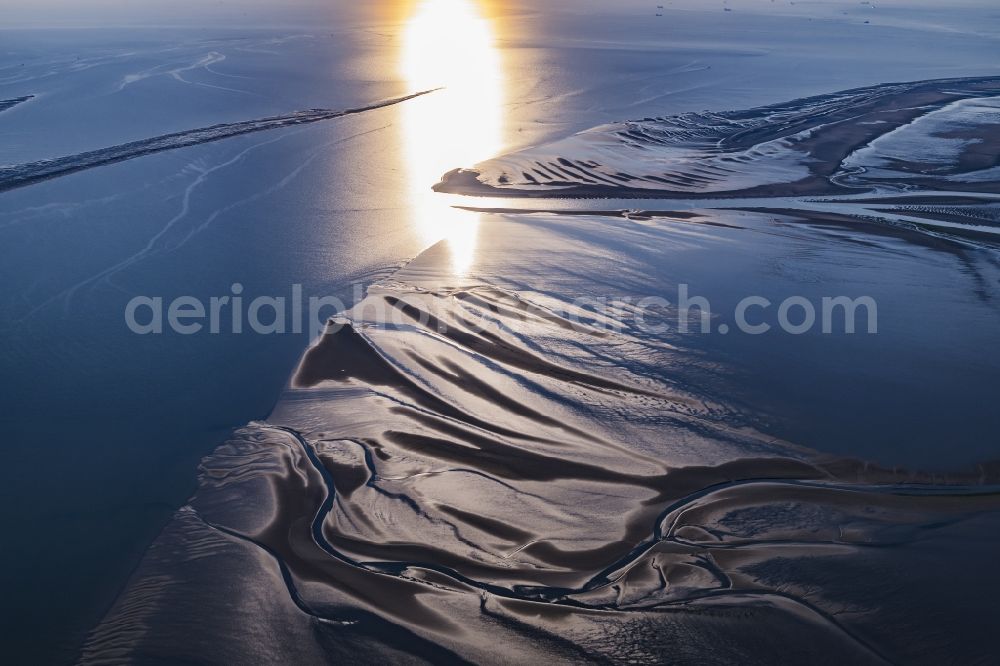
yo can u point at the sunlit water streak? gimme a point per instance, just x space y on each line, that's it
449 44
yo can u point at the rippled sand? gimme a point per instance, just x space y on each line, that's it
921 135
480 468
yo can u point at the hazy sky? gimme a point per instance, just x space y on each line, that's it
15 13
97 13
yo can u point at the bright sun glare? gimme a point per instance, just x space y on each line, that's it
448 44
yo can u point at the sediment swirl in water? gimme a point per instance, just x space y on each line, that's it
434 495
478 469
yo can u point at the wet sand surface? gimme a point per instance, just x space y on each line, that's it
503 472
468 462
817 146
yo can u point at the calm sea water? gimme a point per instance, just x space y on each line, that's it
104 428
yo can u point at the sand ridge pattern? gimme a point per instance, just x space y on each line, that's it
436 485
840 143
470 461
11 103
21 175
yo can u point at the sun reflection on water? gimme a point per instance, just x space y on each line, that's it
448 44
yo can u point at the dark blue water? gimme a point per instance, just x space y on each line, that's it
103 428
